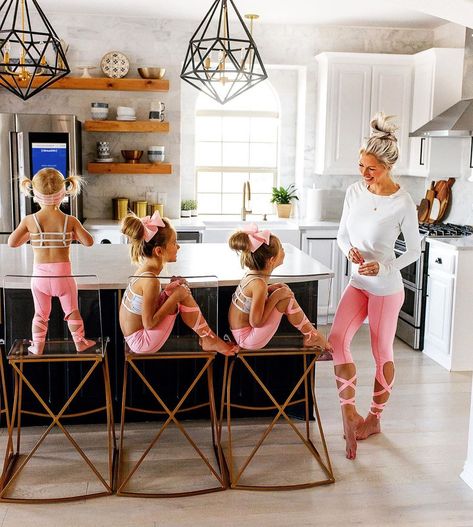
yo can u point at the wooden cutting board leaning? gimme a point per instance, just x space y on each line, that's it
434 206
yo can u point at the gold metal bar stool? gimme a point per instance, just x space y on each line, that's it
194 372
4 409
298 392
58 396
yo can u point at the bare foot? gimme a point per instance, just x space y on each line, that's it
214 343
84 344
351 424
36 348
371 425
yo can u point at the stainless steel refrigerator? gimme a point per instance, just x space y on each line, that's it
29 142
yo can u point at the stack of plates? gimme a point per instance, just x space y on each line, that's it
125 118
125 113
104 159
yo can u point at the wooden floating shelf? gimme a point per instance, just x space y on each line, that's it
126 126
129 168
105 83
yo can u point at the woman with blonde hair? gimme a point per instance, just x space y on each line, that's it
376 211
147 312
51 232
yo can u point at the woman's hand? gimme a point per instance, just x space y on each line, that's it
369 269
355 256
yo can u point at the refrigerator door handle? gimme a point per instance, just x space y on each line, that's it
17 171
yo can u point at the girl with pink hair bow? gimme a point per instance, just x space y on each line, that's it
257 308
51 232
147 313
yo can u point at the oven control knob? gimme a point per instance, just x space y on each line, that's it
438 260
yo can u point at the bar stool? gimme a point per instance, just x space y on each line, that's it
280 399
4 409
149 389
56 384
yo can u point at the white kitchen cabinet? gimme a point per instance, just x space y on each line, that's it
326 250
448 327
352 87
438 76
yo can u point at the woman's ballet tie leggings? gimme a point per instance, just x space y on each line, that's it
382 312
54 279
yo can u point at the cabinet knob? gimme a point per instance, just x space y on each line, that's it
438 260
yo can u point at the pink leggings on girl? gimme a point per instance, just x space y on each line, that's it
382 312
251 338
53 279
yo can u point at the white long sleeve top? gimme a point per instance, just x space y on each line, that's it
372 223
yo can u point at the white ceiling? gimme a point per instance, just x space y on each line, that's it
381 13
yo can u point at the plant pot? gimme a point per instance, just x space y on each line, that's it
284 210
193 213
185 213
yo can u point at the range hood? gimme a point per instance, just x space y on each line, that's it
457 121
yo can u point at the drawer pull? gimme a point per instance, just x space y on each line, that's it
438 260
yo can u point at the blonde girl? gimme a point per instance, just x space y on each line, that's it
257 308
50 233
147 313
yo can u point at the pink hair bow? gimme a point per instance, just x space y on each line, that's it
152 224
257 238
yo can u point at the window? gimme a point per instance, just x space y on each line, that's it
235 143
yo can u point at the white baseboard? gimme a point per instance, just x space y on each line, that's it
467 474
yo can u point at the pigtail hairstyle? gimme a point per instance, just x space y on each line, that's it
74 185
382 143
134 230
257 260
26 186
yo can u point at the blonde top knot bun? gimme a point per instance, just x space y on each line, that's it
382 142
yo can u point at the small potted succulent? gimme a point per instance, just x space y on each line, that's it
186 208
194 207
283 197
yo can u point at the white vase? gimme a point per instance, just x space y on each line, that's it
185 213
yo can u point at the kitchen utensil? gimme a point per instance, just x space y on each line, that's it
120 208
115 65
155 158
444 196
434 211
430 194
132 156
423 210
151 73
156 116
158 207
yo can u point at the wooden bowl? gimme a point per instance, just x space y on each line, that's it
132 156
151 73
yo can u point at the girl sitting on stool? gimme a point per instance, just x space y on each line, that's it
147 314
51 232
257 308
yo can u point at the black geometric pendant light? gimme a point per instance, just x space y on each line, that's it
223 62
31 55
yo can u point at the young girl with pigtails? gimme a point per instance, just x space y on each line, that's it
147 312
257 308
50 233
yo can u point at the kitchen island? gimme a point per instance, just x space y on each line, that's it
111 265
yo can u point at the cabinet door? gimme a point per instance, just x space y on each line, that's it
347 121
438 319
391 93
327 252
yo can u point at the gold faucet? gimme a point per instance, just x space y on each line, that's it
246 190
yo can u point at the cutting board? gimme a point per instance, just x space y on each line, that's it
443 191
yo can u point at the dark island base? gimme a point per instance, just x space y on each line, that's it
56 381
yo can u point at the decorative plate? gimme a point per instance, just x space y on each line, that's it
115 65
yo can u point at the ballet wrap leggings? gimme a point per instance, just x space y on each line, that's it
54 279
152 340
382 312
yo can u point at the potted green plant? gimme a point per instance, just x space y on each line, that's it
186 208
283 197
194 207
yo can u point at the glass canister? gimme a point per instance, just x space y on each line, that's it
141 208
158 207
120 208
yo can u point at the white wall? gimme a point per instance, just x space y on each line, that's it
148 41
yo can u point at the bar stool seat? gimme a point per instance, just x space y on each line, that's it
149 389
302 392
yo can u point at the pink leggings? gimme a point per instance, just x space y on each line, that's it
255 338
53 279
382 312
151 340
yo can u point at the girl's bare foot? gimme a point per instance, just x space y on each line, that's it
84 344
351 423
214 343
371 425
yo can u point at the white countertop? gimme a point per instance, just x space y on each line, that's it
456 244
111 263
200 223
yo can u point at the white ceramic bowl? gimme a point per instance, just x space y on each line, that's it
155 158
99 114
125 110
